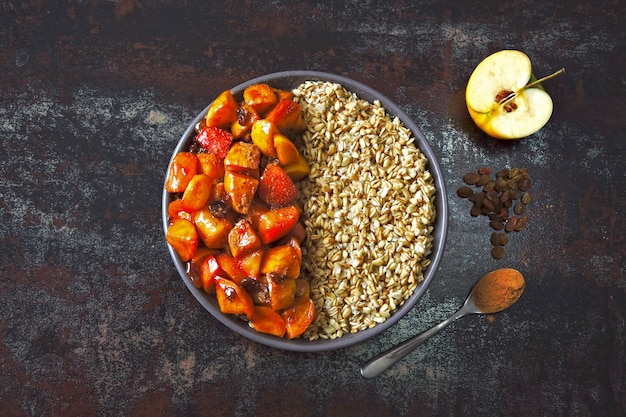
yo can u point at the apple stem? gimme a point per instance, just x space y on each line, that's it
511 96
534 83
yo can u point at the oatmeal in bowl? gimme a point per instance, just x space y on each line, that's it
371 217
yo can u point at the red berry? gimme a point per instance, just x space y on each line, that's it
215 140
276 188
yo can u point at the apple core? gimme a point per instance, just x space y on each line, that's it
506 97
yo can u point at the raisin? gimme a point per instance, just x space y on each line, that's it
464 192
218 208
495 198
471 178
497 252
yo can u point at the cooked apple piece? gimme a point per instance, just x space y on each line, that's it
218 192
194 265
231 267
293 242
201 254
183 237
261 97
243 156
276 223
303 288
233 299
281 260
287 117
197 193
246 116
299 317
213 231
209 270
257 208
223 111
262 135
276 188
281 291
298 170
243 239
251 263
183 168
175 210
284 94
297 234
266 320
241 188
211 165
286 151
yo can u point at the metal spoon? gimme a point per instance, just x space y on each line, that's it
476 303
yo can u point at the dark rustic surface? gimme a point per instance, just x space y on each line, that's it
94 320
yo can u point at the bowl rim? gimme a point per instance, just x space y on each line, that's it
291 79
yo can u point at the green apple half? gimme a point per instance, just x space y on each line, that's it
500 100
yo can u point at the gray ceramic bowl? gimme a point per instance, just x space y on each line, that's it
288 80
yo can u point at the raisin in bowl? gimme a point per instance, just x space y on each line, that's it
317 206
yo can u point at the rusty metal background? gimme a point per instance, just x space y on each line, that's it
94 320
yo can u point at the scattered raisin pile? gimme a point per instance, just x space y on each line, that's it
496 198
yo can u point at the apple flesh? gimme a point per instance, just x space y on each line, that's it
501 102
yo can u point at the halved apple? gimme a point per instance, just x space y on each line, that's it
500 99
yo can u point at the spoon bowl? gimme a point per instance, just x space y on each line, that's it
493 293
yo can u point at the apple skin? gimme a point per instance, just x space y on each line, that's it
506 70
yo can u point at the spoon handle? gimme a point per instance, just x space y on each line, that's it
386 359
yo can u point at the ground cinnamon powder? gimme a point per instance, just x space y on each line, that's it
498 290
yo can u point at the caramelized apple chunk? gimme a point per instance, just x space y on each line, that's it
266 320
223 111
261 97
233 299
298 317
182 236
287 117
183 168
